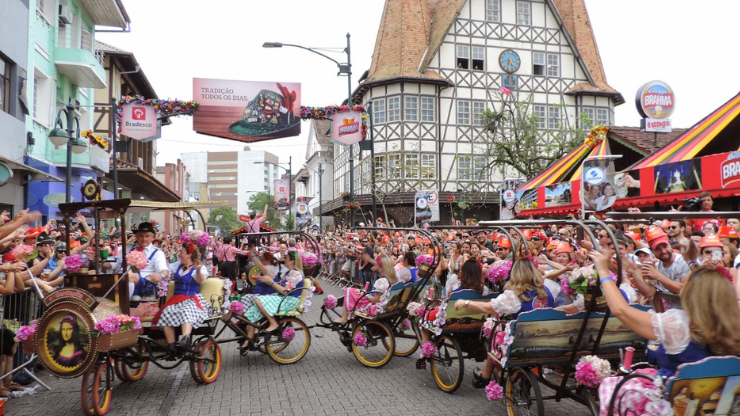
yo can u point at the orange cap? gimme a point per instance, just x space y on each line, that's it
711 241
564 248
552 246
634 236
728 232
527 234
656 236
504 242
385 239
665 224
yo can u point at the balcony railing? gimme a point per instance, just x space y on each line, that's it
85 41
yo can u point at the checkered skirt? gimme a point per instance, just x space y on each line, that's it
271 303
184 312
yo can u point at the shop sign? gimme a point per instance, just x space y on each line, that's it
53 200
730 169
509 206
139 121
282 189
347 127
655 100
659 126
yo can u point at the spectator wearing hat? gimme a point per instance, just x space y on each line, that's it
538 242
729 235
142 284
503 248
52 273
672 270
712 250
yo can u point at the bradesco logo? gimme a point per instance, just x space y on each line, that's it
138 113
655 100
730 169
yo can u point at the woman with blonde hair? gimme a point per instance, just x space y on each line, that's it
525 291
708 324
355 299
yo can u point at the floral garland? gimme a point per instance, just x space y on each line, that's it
596 136
96 140
435 319
352 205
118 323
162 107
324 113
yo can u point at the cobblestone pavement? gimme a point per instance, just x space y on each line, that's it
327 381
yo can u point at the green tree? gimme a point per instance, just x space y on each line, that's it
225 219
257 204
288 222
516 141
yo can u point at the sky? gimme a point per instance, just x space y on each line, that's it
680 42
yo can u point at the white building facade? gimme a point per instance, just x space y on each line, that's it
438 65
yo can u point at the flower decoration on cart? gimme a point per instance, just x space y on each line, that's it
434 319
416 309
95 140
237 307
494 391
330 302
26 331
428 349
24 252
579 281
197 237
360 339
591 369
309 259
117 323
73 263
499 272
327 113
288 334
502 338
162 107
403 326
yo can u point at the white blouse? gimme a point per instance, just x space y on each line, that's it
671 329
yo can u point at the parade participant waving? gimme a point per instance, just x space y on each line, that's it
267 305
356 299
142 283
185 308
525 291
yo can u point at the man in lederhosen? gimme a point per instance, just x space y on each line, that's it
143 284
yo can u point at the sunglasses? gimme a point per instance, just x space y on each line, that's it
536 239
62 251
562 234
466 236
603 236
500 248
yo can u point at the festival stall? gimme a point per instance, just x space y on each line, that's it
704 157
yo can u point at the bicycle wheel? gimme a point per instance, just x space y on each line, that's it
448 366
86 391
523 396
131 367
284 351
406 342
101 394
375 351
206 365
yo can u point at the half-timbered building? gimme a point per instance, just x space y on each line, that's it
437 65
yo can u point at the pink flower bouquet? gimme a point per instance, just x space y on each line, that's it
26 331
137 260
424 259
309 259
428 349
591 369
288 334
494 391
23 252
237 307
360 340
330 302
499 273
118 323
73 263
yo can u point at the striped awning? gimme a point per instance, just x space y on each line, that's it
601 150
693 140
555 173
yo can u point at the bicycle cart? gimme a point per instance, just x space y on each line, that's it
70 343
292 340
375 335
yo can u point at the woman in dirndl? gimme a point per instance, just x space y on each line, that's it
186 307
267 305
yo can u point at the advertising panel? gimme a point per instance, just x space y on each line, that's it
655 100
527 198
347 127
730 170
302 213
558 194
427 207
282 194
247 111
510 206
678 176
138 121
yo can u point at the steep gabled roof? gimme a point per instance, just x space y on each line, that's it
412 31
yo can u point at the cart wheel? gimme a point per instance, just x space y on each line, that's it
406 342
288 352
523 396
101 392
87 388
206 366
380 345
448 366
131 367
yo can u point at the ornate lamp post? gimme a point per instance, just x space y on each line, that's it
71 137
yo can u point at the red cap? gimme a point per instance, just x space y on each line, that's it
539 234
552 245
656 236
504 242
527 234
634 236
8 258
728 232
711 241
665 224
33 232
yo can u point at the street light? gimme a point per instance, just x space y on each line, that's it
290 178
71 137
343 69
321 199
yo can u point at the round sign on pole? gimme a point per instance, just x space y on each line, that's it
509 195
594 175
655 100
450 198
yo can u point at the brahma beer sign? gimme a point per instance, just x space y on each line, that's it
655 102
347 127
139 121
730 170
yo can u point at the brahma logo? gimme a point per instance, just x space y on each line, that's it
138 113
730 169
349 126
